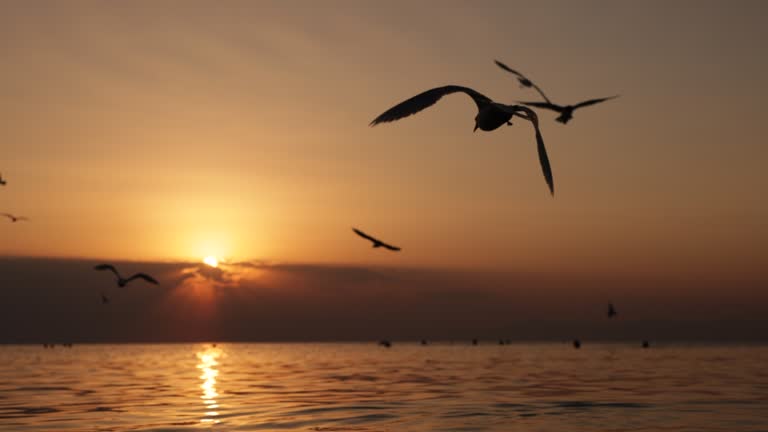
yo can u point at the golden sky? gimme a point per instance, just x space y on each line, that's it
160 131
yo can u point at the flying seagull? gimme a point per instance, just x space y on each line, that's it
376 242
524 82
611 310
566 111
490 116
14 218
121 282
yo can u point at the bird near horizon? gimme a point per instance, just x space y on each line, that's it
13 218
565 111
490 116
121 281
376 242
611 311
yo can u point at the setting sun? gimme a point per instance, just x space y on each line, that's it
211 261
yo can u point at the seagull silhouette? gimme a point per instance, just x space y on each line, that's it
376 242
611 311
121 281
14 218
566 111
490 116
524 82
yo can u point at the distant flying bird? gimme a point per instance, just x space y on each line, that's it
524 82
14 218
121 281
566 111
611 311
376 242
490 116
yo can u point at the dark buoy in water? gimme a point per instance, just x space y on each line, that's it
576 343
646 344
385 343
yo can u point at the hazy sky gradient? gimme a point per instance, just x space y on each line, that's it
168 131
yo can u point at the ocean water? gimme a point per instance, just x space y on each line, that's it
364 387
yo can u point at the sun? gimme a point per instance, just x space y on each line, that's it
211 261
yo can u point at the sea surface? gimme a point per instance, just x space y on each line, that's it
365 387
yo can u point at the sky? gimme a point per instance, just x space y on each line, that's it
163 132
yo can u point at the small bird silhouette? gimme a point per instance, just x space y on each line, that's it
611 311
2 180
524 82
121 281
376 242
566 111
14 218
490 116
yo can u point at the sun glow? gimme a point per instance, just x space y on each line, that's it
211 261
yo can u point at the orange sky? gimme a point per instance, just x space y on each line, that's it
170 131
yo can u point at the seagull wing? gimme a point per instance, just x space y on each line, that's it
365 236
426 100
531 116
107 267
523 77
545 105
144 276
8 215
390 247
593 101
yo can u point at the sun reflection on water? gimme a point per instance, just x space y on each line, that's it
209 373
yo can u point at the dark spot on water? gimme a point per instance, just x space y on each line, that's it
104 409
588 404
42 389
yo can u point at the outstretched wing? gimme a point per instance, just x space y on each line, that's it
522 78
390 247
365 236
107 267
144 276
8 215
531 116
545 105
426 100
593 101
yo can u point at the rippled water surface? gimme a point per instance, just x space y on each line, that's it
336 387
